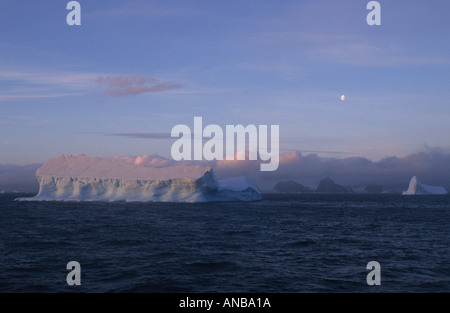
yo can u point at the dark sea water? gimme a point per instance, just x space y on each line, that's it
285 243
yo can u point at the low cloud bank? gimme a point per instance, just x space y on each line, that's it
19 178
432 166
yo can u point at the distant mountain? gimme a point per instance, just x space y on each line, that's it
328 185
374 188
291 187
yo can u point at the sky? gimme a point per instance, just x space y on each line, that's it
119 82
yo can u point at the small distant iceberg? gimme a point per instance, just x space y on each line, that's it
83 178
417 188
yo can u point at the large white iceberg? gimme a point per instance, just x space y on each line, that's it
83 178
417 188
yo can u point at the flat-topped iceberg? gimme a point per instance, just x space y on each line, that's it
417 188
83 178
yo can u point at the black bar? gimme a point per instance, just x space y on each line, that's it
227 302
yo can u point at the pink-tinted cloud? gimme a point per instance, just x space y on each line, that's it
152 161
121 86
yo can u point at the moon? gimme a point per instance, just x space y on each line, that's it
343 97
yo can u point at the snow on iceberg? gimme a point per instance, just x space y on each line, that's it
239 188
83 178
417 188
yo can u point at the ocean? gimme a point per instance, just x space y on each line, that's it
291 243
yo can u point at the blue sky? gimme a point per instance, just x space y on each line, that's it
146 66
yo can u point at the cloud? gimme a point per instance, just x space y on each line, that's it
26 84
360 52
19 177
72 80
152 161
148 135
14 96
351 47
321 151
432 166
120 86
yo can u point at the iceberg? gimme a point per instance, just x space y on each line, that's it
84 178
239 188
417 188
